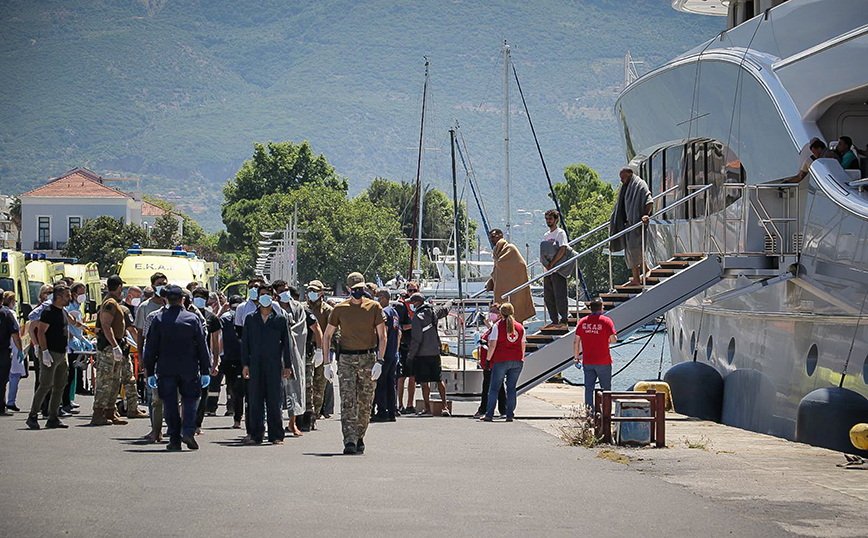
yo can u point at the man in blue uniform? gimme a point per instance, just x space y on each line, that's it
266 353
177 361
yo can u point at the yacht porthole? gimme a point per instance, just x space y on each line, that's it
811 363
681 339
692 343
730 351
865 371
709 348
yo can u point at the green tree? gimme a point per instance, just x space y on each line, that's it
587 203
437 211
164 234
280 167
104 240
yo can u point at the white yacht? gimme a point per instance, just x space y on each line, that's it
737 112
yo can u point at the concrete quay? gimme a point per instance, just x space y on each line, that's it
420 477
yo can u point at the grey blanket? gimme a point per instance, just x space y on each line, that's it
294 388
628 210
548 251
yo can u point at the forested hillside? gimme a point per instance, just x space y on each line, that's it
177 91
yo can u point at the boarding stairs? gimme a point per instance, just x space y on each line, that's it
671 283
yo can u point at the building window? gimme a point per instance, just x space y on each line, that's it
74 224
44 230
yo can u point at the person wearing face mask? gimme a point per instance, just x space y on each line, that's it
230 363
9 336
35 352
177 365
249 305
213 305
144 316
363 348
266 355
490 320
297 323
425 349
52 333
385 397
405 369
128 365
213 329
315 387
133 299
77 343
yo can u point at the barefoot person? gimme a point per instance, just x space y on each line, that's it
634 205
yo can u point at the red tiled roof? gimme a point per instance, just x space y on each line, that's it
77 183
152 210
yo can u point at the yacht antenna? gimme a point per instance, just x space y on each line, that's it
416 247
506 60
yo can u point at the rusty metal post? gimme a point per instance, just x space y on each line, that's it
661 420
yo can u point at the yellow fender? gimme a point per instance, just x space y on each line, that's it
859 436
659 386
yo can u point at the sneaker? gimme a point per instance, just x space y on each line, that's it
69 409
409 410
32 423
190 442
173 447
349 449
360 446
55 424
393 419
378 418
229 413
509 419
424 414
12 407
64 413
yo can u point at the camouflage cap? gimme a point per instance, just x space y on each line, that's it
355 280
315 285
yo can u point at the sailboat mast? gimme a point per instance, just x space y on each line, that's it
506 60
417 213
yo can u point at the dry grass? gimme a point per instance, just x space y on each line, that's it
703 443
579 429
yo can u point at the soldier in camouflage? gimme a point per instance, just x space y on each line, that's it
109 358
314 369
363 345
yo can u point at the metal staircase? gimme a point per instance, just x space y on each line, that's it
550 351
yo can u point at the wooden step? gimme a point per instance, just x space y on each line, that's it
689 256
631 290
540 338
675 264
530 348
554 332
663 272
616 297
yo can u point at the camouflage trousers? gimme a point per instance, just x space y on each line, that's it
357 394
107 379
314 386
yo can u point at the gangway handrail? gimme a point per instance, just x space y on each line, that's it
608 239
605 224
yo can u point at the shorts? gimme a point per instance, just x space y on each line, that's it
427 369
405 368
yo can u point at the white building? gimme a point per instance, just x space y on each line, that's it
51 212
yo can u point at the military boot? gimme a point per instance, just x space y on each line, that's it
304 422
133 410
99 418
116 417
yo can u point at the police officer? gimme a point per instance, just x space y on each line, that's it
315 384
266 353
361 323
177 361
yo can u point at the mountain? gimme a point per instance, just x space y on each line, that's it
176 91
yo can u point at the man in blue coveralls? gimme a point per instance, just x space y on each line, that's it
177 361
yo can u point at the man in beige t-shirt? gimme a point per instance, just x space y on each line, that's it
363 345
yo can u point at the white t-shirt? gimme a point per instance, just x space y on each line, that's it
558 237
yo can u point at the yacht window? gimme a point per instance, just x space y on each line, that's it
811 362
655 179
692 343
697 177
865 370
673 175
680 339
709 348
730 351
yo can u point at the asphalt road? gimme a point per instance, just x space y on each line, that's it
420 477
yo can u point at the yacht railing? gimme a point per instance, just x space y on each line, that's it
779 230
606 241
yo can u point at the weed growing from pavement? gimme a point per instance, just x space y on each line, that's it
704 443
579 429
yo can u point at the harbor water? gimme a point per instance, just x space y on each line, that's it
645 366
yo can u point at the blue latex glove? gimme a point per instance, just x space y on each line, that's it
88 345
20 357
75 344
152 381
205 380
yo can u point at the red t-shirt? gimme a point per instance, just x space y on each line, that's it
595 330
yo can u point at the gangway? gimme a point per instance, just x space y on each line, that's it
669 284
